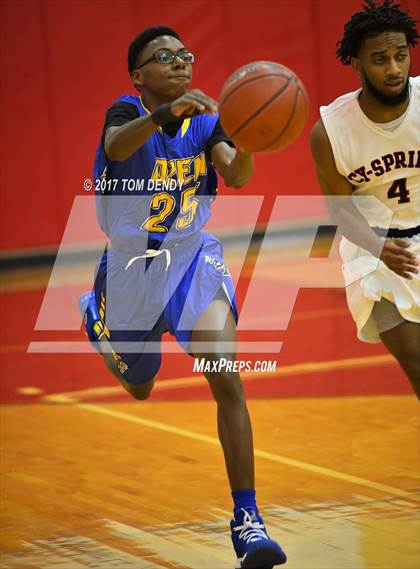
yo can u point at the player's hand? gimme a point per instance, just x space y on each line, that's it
195 102
397 258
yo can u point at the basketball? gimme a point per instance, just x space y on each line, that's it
263 107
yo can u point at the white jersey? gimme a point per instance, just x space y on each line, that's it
376 162
386 165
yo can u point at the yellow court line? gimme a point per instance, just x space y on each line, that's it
258 453
294 369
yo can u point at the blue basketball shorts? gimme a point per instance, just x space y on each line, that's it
140 297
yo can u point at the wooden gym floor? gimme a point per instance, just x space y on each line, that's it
92 479
142 485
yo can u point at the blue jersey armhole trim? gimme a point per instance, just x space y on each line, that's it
133 100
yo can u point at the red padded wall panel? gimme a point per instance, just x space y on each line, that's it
29 172
65 62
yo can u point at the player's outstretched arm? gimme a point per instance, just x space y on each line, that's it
353 225
235 166
122 141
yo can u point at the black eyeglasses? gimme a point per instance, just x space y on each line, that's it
168 56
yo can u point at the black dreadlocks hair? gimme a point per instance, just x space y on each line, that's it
140 42
374 20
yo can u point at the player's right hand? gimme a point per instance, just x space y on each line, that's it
397 258
195 102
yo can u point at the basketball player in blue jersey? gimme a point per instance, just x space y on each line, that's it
162 272
367 144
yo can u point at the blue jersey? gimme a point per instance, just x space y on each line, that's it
162 192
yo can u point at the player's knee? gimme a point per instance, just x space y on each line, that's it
226 385
410 361
413 373
227 389
412 368
140 391
415 362
140 395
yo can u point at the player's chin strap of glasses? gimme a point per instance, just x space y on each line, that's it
149 254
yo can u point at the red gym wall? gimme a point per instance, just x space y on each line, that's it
64 61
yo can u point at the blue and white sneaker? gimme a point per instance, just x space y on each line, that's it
254 549
95 329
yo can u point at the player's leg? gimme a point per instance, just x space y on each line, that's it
139 391
232 414
201 314
403 341
217 328
139 369
201 306
401 337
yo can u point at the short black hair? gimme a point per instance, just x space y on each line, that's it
374 20
140 42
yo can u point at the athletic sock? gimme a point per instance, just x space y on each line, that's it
244 499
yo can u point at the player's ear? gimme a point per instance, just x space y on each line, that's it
137 79
357 66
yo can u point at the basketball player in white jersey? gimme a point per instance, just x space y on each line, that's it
367 143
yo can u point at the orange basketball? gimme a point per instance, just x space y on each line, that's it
263 106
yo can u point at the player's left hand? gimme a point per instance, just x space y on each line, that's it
192 103
396 257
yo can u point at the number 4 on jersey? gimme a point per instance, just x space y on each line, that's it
399 190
